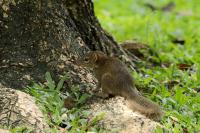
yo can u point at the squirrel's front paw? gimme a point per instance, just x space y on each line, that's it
102 95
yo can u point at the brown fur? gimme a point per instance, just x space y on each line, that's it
114 78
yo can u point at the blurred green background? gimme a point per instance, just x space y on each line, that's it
132 19
173 34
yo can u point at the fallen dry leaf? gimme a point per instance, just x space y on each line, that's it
183 66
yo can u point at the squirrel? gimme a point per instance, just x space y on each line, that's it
114 79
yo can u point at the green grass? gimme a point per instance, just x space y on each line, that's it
51 101
130 19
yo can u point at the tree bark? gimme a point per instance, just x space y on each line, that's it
47 35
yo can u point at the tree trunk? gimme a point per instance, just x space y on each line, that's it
47 35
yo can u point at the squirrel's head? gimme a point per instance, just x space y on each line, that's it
91 59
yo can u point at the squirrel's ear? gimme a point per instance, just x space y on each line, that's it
95 57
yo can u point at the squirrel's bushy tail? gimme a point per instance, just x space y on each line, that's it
144 105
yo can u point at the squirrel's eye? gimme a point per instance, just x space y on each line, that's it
86 59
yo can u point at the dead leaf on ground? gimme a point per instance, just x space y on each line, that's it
183 66
166 8
171 83
178 41
131 44
134 47
169 7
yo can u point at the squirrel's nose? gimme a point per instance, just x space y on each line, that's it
78 62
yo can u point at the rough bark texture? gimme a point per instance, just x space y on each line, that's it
42 35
